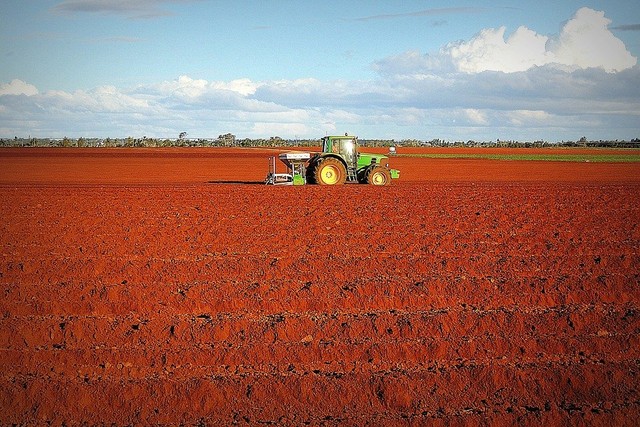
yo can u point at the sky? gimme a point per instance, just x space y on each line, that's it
452 70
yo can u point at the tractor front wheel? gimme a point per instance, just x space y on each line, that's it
378 175
330 171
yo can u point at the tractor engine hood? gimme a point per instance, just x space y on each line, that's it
365 159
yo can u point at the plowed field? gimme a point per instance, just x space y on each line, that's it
170 287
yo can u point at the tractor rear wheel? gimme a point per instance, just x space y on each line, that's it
330 171
311 173
378 175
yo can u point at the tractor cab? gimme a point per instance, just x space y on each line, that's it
345 146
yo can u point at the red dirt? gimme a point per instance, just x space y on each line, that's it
139 290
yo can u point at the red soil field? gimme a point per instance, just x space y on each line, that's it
168 286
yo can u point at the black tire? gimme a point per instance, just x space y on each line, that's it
310 172
362 175
330 171
378 175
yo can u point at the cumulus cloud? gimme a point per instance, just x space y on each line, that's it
489 51
244 86
187 88
584 41
17 87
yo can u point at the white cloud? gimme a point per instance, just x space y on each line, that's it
489 51
109 98
184 87
190 91
18 87
476 116
242 86
584 41
528 117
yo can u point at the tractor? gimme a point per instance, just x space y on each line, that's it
340 161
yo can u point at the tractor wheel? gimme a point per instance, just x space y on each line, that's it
362 175
311 173
378 175
330 171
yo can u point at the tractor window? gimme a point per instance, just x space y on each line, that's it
348 149
348 146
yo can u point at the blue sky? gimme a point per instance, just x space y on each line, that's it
454 70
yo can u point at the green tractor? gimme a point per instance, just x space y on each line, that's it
340 161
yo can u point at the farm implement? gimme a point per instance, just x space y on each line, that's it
339 162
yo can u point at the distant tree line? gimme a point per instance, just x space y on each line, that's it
230 140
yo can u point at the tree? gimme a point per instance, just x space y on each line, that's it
227 139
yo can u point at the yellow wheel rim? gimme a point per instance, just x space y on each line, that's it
330 174
378 178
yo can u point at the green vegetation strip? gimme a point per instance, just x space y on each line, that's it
600 158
